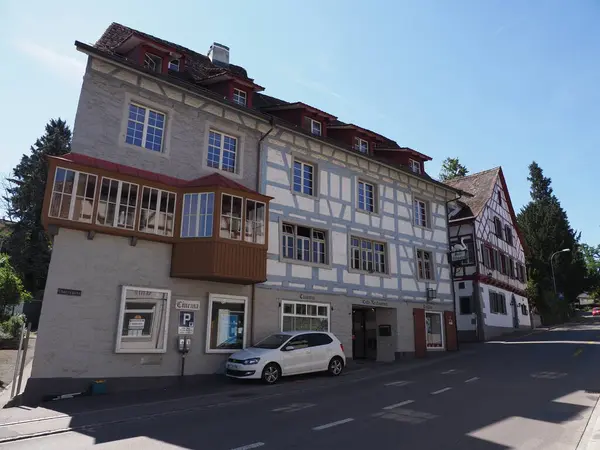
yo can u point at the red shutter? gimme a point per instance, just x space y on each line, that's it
450 329
419 326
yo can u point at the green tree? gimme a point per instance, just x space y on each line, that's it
12 291
591 256
546 229
28 244
452 168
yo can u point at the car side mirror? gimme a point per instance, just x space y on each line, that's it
288 348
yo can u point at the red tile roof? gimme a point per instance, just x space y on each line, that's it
212 180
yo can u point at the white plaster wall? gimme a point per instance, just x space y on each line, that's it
463 321
503 320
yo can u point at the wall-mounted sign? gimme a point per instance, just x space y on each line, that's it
187 304
372 302
71 292
186 322
306 297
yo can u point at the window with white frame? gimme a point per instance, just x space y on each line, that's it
425 265
315 127
143 320
145 127
157 211
198 213
153 62
174 65
226 324
368 255
231 217
117 204
239 97
361 145
73 195
497 303
415 166
366 196
421 213
303 316
304 244
255 221
222 151
304 178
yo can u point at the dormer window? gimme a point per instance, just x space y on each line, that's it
361 145
315 127
415 166
239 97
153 62
174 65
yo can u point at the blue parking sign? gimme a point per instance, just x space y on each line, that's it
186 322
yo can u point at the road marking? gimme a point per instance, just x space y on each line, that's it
294 407
441 390
249 446
448 372
397 405
398 383
332 424
472 379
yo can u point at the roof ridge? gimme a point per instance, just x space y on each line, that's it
497 168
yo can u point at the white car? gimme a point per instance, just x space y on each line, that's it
288 353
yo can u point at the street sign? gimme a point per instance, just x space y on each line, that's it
186 322
459 255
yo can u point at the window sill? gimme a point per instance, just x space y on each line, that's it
305 263
422 227
425 279
236 175
224 351
163 154
370 213
302 194
366 272
140 351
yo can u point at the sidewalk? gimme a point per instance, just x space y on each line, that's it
590 440
8 359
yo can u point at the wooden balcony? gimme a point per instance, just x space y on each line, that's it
219 260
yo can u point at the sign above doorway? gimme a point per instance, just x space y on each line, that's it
370 302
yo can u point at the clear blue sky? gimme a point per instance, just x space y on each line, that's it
494 82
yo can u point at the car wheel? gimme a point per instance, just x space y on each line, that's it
336 365
271 373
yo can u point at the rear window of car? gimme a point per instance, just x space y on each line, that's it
316 339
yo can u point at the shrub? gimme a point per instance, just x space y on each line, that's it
12 326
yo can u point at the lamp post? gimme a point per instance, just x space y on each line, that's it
552 265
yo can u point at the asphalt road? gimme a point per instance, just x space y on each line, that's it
534 392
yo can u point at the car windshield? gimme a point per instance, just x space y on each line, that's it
273 341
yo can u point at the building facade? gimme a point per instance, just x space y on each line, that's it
488 257
194 206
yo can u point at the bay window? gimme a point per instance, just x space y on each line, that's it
197 215
255 222
157 214
117 204
303 316
73 195
226 324
231 217
143 320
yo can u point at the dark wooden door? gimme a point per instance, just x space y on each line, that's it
419 325
450 329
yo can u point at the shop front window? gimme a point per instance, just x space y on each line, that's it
434 331
226 329
301 316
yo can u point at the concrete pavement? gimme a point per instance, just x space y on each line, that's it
532 392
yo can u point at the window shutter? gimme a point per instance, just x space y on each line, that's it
306 123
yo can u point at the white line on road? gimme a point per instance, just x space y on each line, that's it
441 390
332 424
249 446
398 405
397 383
472 379
447 372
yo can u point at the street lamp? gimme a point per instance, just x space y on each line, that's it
552 265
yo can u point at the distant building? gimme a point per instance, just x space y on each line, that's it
585 299
488 258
